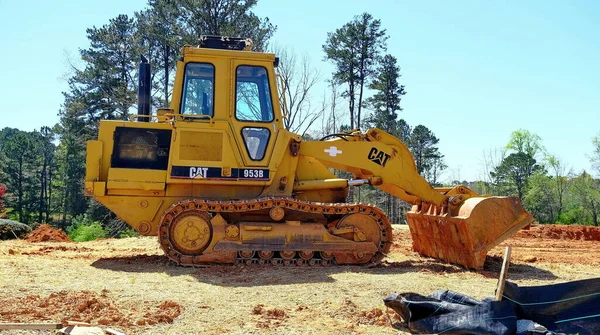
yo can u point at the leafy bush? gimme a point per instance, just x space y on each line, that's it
10 228
84 228
574 215
84 233
129 232
80 220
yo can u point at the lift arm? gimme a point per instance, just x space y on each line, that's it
382 159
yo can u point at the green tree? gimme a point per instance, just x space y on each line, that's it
354 49
47 150
403 131
70 157
18 163
225 18
167 25
586 190
5 134
514 172
560 182
107 86
424 146
385 103
160 35
540 198
526 142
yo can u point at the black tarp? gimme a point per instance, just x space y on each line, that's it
566 308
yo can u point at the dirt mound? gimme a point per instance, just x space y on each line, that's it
45 233
86 306
563 232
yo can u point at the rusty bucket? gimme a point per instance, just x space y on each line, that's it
467 232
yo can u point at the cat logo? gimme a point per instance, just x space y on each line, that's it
198 172
378 157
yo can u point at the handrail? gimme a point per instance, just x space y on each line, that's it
187 117
142 116
172 116
285 110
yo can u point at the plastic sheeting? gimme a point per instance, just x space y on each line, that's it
567 308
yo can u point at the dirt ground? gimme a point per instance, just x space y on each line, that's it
127 284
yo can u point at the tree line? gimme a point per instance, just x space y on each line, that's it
547 186
43 170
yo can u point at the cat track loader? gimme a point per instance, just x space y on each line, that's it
219 179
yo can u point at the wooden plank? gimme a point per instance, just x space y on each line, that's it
77 323
31 326
113 332
503 274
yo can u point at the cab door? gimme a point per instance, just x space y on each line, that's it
254 118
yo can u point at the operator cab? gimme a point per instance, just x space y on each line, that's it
223 81
227 95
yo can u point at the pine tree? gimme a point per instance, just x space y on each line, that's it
224 18
428 159
18 164
70 157
47 150
107 85
160 36
385 103
355 49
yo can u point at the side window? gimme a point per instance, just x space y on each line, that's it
198 89
252 94
256 140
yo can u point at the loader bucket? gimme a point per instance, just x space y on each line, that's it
468 232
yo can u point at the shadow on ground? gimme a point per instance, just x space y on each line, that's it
517 271
259 275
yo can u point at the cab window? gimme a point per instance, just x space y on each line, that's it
252 94
256 140
198 89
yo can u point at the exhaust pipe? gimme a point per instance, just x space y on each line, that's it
144 90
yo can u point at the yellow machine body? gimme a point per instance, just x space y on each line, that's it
218 178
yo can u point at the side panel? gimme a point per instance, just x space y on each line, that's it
205 163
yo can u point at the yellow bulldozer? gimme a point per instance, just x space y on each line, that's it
219 179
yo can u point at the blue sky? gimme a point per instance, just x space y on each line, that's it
474 70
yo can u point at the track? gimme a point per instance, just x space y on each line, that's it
221 221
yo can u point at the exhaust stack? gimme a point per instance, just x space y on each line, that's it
144 90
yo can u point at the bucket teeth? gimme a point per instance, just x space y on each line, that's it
465 235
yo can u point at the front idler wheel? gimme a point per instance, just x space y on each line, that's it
185 233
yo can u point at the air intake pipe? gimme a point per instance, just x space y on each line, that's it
144 90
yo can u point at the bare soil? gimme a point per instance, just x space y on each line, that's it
127 284
557 244
86 306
